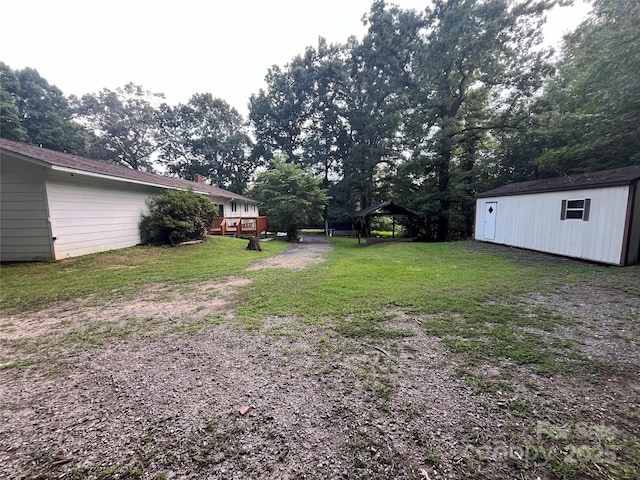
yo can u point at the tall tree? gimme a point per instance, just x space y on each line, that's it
36 112
337 108
125 122
10 122
376 98
593 117
325 140
476 55
208 137
299 116
279 113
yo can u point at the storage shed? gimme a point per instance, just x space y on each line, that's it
593 216
54 205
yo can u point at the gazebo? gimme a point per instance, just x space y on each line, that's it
362 218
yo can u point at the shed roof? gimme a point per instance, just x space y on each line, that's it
388 207
603 178
73 163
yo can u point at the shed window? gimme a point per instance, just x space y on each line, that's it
575 209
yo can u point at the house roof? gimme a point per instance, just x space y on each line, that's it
98 168
603 178
388 207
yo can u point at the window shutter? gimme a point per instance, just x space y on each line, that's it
587 204
563 213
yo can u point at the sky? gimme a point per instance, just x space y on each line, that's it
222 47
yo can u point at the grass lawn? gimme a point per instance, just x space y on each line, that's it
30 286
473 298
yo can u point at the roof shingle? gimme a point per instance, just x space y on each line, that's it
603 178
118 172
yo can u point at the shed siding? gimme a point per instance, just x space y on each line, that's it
533 221
24 226
93 215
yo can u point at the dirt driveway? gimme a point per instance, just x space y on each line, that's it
308 251
165 399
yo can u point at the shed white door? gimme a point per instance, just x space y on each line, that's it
490 210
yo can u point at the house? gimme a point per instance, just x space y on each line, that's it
54 205
593 216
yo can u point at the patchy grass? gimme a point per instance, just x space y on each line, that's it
419 277
480 384
57 346
471 299
30 286
369 325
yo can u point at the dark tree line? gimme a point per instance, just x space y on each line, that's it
36 112
429 109
432 107
132 127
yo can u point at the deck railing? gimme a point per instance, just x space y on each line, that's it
238 226
218 226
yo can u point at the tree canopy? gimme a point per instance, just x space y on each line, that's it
207 137
592 114
428 108
125 122
415 110
292 197
36 112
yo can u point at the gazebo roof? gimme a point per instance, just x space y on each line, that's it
388 208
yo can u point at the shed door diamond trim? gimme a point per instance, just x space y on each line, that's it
490 220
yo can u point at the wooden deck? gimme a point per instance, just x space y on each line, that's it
238 227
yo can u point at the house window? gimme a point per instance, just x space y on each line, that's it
234 207
246 207
575 209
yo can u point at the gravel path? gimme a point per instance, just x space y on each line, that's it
308 251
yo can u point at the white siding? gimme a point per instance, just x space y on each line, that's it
92 215
228 212
24 226
533 221
233 216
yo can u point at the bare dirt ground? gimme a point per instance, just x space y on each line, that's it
164 397
297 256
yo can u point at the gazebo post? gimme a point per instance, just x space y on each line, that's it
393 211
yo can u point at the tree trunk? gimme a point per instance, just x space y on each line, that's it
442 231
254 244
468 202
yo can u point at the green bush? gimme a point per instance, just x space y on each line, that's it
177 216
